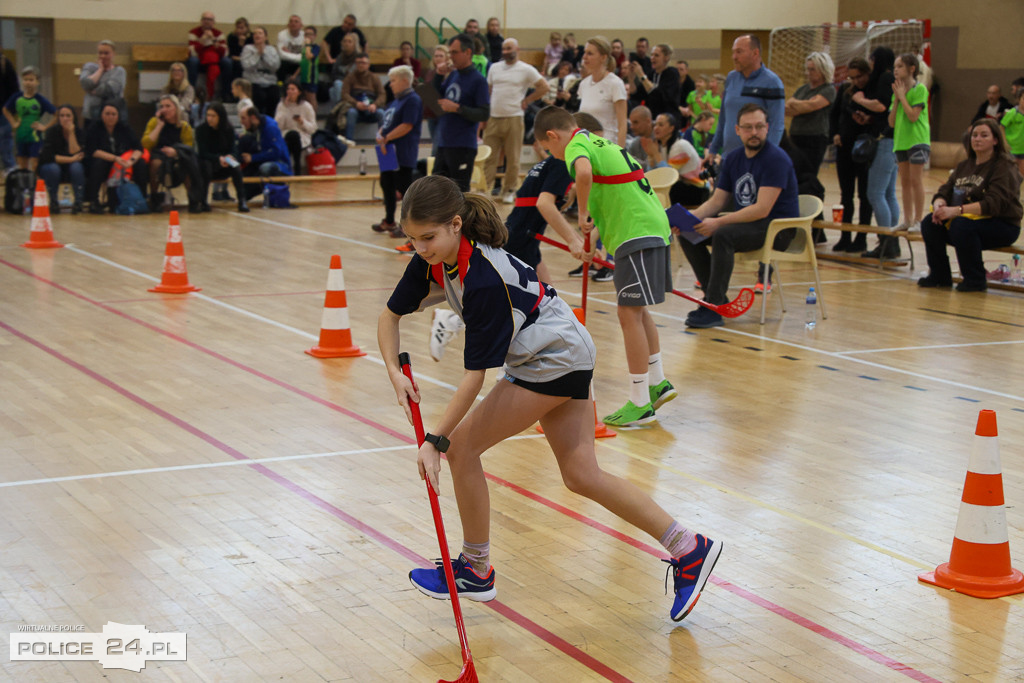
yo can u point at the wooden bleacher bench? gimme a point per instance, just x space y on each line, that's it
153 62
899 262
341 177
382 58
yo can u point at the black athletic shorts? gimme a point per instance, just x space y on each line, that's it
573 385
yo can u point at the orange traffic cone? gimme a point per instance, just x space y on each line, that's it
335 335
601 430
41 236
175 276
979 563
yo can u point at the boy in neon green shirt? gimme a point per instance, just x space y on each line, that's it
613 194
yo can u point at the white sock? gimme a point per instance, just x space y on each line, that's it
638 392
655 372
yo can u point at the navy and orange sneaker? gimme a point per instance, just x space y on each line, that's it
690 572
406 248
469 583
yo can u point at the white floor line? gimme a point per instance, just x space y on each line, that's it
255 316
250 217
223 463
936 346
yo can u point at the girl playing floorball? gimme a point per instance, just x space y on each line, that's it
515 322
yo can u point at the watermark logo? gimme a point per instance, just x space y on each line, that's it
120 646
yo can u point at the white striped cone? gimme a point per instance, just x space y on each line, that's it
979 563
40 232
335 335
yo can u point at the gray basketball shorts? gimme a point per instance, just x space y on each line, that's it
642 277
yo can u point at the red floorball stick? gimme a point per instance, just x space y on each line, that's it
732 309
468 673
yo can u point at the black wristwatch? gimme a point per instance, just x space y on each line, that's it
441 443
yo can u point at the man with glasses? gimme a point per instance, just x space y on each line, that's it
750 82
466 103
760 181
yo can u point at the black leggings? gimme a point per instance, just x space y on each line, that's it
390 183
294 142
212 170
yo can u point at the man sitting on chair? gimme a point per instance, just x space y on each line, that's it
760 180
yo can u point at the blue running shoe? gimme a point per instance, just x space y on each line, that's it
690 572
470 585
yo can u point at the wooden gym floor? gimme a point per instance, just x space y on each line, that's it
178 462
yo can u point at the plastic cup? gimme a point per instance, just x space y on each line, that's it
837 213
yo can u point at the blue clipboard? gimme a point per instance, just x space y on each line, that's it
679 217
387 161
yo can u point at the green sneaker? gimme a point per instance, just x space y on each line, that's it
630 415
662 394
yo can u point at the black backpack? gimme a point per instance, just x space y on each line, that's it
18 180
329 141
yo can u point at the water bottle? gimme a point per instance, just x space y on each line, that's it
362 162
811 320
1015 275
26 201
266 196
65 196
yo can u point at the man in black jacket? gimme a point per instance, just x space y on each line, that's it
993 106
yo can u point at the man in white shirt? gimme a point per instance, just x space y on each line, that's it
290 43
508 81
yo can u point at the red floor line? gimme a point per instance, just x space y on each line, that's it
657 552
502 609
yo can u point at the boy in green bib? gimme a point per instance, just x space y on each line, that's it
613 194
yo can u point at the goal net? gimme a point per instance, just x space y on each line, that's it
788 46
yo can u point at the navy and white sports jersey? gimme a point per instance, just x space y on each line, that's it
512 320
548 175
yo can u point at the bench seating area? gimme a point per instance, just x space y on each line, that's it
909 237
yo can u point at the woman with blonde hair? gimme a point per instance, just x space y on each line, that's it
178 85
170 139
602 93
809 106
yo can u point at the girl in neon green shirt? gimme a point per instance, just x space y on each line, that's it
908 116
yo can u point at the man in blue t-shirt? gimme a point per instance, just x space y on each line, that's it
760 180
466 102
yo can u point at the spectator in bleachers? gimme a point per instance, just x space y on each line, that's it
178 85
440 67
553 52
494 39
103 83
111 147
362 96
677 153
217 148
571 52
509 81
238 39
308 66
698 101
8 86
810 107
751 82
699 134
640 56
262 148
1013 125
472 27
342 65
296 119
331 47
241 90
660 90
977 208
1016 88
560 84
259 66
291 41
641 144
400 126
848 121
208 51
686 86
994 106
619 55
170 141
480 58
602 93
405 58
466 103
62 158
876 99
